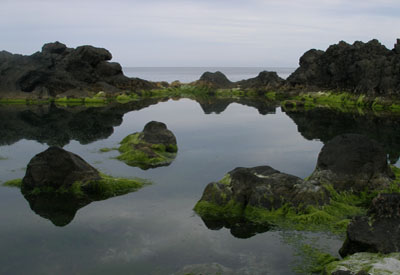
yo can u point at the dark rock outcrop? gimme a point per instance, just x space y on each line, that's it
265 79
215 80
57 168
58 69
367 68
379 231
352 162
155 146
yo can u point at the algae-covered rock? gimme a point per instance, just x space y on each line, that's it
155 146
352 162
245 194
379 231
365 263
57 183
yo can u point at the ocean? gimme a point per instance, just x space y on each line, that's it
189 74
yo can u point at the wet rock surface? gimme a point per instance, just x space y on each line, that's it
58 69
379 231
353 162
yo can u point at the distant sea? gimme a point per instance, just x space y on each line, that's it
189 74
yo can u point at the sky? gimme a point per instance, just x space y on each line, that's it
197 33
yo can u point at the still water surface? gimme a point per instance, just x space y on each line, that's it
154 230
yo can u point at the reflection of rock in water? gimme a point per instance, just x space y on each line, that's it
324 124
58 126
242 229
60 210
219 105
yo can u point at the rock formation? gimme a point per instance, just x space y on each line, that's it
367 68
61 70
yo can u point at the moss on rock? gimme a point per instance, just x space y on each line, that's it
150 148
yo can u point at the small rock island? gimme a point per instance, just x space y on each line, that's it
57 183
155 146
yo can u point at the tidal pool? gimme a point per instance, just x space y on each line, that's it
154 230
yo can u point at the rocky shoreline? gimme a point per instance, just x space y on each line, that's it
361 75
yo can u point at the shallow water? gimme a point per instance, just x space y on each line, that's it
154 230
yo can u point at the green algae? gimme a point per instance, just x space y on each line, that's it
13 183
106 149
103 188
313 260
230 210
270 95
136 152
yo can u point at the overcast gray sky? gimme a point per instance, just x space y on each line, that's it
197 32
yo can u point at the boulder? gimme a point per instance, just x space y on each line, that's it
378 231
156 132
352 162
56 168
155 146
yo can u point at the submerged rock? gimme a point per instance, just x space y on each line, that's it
353 162
155 146
57 183
377 232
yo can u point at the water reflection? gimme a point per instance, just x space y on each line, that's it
57 125
324 124
240 229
